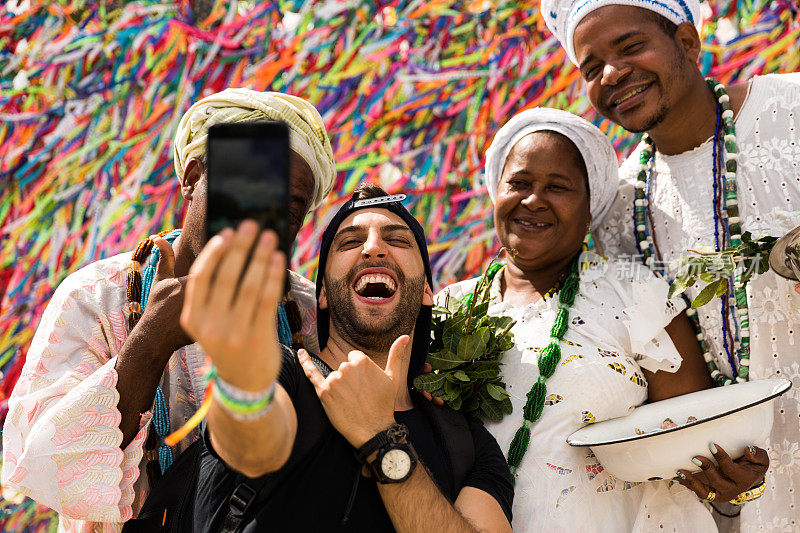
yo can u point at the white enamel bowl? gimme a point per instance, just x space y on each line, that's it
732 417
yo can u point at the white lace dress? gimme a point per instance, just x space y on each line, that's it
61 439
613 322
769 203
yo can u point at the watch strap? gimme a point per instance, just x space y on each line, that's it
380 440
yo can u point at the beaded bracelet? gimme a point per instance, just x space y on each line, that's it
241 404
751 494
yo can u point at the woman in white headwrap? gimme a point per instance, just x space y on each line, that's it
551 176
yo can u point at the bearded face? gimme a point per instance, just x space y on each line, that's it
374 282
637 74
373 327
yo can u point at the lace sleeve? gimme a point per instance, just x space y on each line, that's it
61 440
647 312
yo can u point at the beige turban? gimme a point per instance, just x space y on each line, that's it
308 137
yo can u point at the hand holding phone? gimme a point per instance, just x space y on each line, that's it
234 289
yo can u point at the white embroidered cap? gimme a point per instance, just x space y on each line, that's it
563 16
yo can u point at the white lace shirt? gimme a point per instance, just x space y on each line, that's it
618 316
769 203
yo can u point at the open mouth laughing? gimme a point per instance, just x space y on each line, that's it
375 285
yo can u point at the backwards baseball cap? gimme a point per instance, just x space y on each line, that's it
422 329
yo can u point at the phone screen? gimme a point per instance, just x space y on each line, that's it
248 177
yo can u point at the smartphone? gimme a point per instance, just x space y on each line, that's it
248 177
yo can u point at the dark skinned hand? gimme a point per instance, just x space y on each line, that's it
427 369
730 478
164 305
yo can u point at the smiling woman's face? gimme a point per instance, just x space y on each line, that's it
542 207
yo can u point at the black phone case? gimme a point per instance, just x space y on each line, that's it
248 177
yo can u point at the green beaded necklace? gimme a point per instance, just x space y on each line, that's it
548 360
646 244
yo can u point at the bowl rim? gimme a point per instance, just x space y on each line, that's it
785 386
779 249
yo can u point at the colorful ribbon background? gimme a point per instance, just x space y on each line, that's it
411 92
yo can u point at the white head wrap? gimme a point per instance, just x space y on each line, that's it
594 146
307 132
563 16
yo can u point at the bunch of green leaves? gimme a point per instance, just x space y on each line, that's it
465 355
716 268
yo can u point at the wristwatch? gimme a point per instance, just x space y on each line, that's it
396 457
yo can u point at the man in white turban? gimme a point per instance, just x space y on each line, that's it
110 372
715 163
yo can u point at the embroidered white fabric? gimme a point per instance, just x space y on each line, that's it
769 203
564 489
61 439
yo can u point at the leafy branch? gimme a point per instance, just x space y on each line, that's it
716 268
465 355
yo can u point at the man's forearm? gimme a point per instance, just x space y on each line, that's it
259 446
140 365
416 503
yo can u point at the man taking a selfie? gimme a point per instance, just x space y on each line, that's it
339 441
110 372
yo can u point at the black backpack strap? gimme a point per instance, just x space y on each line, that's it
240 501
321 365
170 504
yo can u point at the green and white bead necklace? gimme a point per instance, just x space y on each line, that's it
730 225
548 361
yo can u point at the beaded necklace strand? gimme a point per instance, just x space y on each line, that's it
139 281
721 225
727 226
548 360
485 280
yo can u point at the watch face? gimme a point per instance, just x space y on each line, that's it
395 464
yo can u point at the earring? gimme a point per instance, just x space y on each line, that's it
587 240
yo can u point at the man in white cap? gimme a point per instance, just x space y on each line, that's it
715 164
110 371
